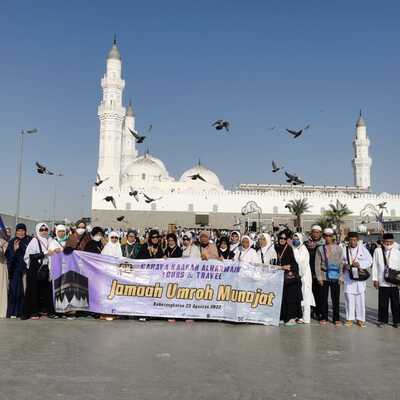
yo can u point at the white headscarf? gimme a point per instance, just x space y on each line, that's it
266 236
112 249
33 246
247 255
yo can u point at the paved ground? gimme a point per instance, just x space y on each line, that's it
99 360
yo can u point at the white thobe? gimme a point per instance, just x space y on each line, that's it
378 266
247 255
354 291
302 257
266 254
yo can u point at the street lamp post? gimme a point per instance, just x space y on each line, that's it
21 153
55 198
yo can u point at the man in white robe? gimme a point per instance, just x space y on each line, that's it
387 256
357 257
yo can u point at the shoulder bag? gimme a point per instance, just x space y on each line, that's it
356 274
390 275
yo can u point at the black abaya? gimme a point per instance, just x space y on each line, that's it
292 294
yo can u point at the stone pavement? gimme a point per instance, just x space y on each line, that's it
96 360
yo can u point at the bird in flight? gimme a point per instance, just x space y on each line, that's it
296 134
275 168
293 179
99 181
139 139
121 218
111 199
382 206
149 199
134 193
197 176
42 170
221 124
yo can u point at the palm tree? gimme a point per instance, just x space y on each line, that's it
298 208
336 215
323 222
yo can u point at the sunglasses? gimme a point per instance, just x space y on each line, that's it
113 237
283 238
43 230
185 238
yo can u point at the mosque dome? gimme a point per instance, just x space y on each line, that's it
146 168
209 176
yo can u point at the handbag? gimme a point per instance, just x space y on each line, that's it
356 274
290 277
332 270
390 275
43 272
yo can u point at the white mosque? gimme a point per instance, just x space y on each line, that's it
187 202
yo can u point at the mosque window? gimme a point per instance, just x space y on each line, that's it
275 210
215 208
144 176
153 207
392 213
127 206
190 207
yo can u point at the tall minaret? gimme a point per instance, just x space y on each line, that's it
361 161
111 114
129 151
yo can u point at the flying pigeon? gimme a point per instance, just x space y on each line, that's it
99 181
197 176
296 134
134 193
294 179
221 124
42 170
149 199
275 168
121 218
139 139
110 199
382 206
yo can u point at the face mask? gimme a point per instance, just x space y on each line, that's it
63 239
296 242
223 247
80 231
97 238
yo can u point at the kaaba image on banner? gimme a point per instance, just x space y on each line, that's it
71 291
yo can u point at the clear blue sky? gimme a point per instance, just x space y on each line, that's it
187 63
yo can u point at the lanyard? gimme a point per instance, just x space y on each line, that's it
281 255
354 258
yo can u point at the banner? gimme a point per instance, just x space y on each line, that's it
171 288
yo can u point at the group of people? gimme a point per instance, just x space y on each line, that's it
313 267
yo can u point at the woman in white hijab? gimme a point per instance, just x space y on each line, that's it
113 247
302 257
245 252
58 243
266 253
38 296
